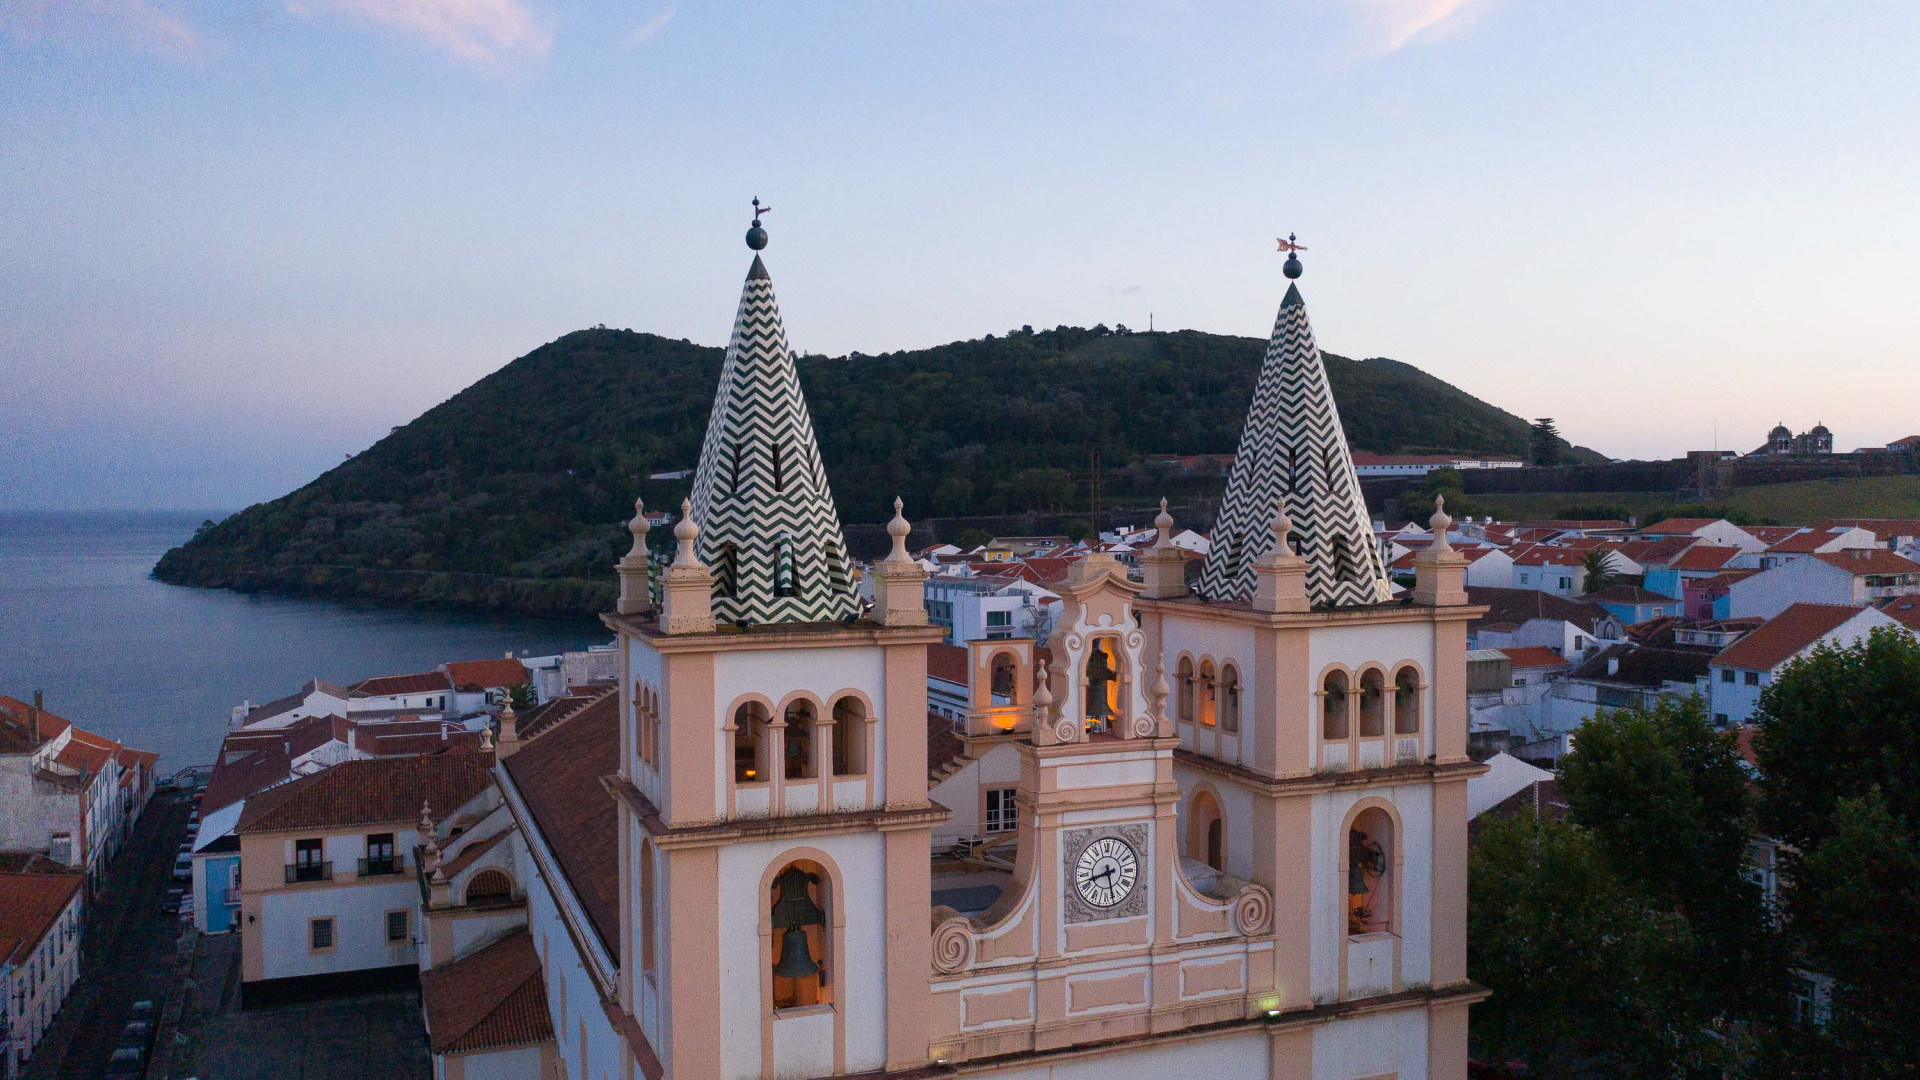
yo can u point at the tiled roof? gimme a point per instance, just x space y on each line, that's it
236 777
490 998
1805 541
1704 557
1780 638
1883 529
16 731
420 682
1645 665
1859 561
1516 606
303 736
1903 609
1542 555
369 792
1579 524
1677 526
947 662
1770 534
1661 552
944 747
1535 656
487 674
559 774
29 904
1629 594
1720 581
540 718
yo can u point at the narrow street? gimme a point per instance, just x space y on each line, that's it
128 952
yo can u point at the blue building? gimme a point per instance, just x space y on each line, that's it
1632 604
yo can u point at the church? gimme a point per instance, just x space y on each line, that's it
1217 828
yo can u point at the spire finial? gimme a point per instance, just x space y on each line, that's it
1282 526
1440 523
1292 267
757 236
1163 523
898 529
1043 695
686 532
638 527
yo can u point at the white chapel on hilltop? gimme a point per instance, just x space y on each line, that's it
1215 831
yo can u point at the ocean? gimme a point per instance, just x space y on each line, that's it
160 667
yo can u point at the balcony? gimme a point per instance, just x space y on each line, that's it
312 871
383 865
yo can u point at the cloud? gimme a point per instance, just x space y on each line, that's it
1386 25
137 23
491 32
652 27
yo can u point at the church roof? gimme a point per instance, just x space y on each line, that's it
1292 449
769 532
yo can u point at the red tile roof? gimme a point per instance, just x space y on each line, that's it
1677 526
29 905
1883 529
1659 552
490 998
1542 555
369 792
1859 561
1805 541
1535 656
1903 609
1770 534
420 682
947 662
236 777
559 774
1702 557
487 674
1782 637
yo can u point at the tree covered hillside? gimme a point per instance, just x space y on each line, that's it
528 473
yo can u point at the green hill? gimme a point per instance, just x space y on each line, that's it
510 494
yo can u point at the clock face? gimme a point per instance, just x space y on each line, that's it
1106 872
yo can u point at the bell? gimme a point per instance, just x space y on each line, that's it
795 908
796 961
1099 708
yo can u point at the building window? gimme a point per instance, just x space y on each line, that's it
1369 873
1566 583
799 751
1752 678
1000 680
399 927
1333 707
380 859
1206 831
1000 816
786 578
320 935
1373 705
1726 675
490 886
1406 701
309 862
1184 676
798 906
1230 699
849 737
750 744
1209 703
647 905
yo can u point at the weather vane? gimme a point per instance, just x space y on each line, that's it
1292 268
757 236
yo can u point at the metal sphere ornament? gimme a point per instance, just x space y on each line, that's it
1292 267
757 236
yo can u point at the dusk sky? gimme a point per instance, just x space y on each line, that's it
240 240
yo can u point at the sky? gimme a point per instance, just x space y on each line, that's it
241 241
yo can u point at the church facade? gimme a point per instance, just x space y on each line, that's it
1231 832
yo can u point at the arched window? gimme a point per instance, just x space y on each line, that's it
1184 676
1373 705
1102 683
1209 700
750 765
1370 882
1000 681
490 886
649 907
726 571
1333 707
797 908
849 737
799 752
1406 702
786 576
1230 699
1206 831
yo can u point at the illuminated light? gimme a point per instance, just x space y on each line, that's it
751 774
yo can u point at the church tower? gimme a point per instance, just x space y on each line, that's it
1321 738
775 825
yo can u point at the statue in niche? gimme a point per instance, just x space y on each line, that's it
1100 678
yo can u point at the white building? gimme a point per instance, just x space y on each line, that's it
1740 672
1851 577
40 926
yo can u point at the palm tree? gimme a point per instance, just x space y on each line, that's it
1599 573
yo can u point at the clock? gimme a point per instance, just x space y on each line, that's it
1106 872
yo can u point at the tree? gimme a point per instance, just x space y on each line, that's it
1665 797
1838 745
1597 512
972 538
1545 443
1599 570
1588 978
954 495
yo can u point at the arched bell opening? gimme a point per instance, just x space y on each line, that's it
798 911
1103 678
1370 877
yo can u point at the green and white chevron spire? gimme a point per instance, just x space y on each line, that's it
1292 449
768 529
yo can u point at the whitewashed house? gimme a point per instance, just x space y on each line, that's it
1851 577
1741 671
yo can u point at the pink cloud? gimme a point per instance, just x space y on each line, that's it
137 23
488 32
1386 25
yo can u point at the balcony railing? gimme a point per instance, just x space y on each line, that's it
383 864
314 871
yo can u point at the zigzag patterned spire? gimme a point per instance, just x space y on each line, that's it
1292 449
768 529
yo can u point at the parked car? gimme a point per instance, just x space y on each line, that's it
137 1033
127 1063
183 868
140 1010
186 908
171 903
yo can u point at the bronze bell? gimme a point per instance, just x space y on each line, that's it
795 908
796 960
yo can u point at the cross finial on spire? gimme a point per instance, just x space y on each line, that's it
757 236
